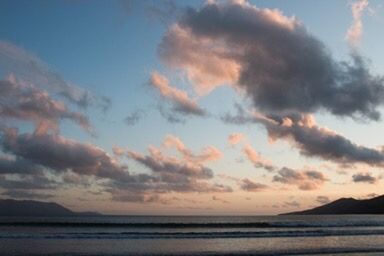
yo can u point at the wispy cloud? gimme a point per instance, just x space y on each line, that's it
133 117
31 68
323 199
356 29
209 153
181 101
218 199
257 159
235 138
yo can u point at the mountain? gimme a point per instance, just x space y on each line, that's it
347 206
10 207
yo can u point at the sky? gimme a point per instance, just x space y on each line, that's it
191 107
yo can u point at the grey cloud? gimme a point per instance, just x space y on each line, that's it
364 178
27 182
170 116
291 204
61 154
171 168
248 185
71 162
29 67
280 65
240 117
18 166
316 141
169 173
156 190
323 199
218 199
21 101
304 180
133 117
22 194
137 198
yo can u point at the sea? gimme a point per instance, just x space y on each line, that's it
193 235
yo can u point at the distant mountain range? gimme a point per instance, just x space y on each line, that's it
347 206
10 207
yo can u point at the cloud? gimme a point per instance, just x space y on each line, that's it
209 153
171 168
178 174
257 160
245 183
356 29
302 131
29 67
22 101
118 151
69 163
12 165
61 154
180 99
171 116
32 158
316 141
304 180
133 117
27 183
364 178
240 117
292 204
272 57
248 185
122 196
205 64
235 138
323 199
251 154
20 194
218 199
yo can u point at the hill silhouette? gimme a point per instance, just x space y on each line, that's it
347 206
10 207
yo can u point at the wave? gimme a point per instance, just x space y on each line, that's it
194 235
287 224
322 251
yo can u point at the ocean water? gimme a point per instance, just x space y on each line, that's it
203 235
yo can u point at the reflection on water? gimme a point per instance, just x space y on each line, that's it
274 235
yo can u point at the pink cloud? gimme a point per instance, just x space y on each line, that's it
257 159
179 98
235 138
356 29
